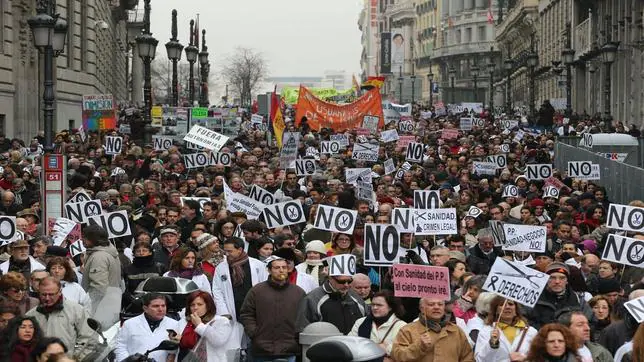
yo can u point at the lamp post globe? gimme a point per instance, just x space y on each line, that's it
60 36
42 27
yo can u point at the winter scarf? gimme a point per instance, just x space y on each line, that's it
185 273
313 268
364 330
58 306
237 268
432 325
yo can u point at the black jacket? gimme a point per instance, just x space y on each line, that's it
618 333
323 304
550 306
141 269
479 262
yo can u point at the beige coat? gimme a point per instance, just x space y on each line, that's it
378 333
450 345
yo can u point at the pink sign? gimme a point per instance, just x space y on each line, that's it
404 141
421 281
556 183
362 132
449 133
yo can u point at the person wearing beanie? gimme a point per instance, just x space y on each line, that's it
556 298
315 252
538 207
210 253
302 280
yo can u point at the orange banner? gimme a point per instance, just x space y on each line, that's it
321 114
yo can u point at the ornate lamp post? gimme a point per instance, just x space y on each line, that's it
609 53
430 81
147 47
192 52
568 57
452 79
174 49
49 33
205 67
475 75
400 84
508 65
533 60
491 66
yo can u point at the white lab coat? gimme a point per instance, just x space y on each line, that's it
222 292
306 282
135 336
74 292
33 264
485 353
201 280
215 333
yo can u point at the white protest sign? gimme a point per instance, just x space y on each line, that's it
415 152
370 123
518 136
484 168
499 160
365 152
516 282
330 147
61 228
538 171
406 127
507 124
80 211
505 148
82 134
622 217
636 308
510 191
116 223
389 166
195 160
342 139
192 146
586 140
8 229
584 170
426 199
474 212
615 156
341 265
257 119
389 136
200 200
353 175
288 154
365 194
284 214
113 145
403 219
435 221
524 238
466 124
335 219
304 167
498 234
478 122
381 245
204 137
623 250
313 152
81 196
77 248
241 203
551 191
162 143
117 171
259 194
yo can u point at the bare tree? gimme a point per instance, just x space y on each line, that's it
243 71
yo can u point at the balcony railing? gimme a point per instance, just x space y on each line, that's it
583 36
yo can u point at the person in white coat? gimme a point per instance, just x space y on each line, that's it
60 268
505 341
184 265
203 333
146 331
233 279
20 260
302 280
383 322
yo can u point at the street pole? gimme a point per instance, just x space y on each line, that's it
191 55
400 84
413 91
568 59
174 49
205 65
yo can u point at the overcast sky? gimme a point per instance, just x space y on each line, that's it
297 37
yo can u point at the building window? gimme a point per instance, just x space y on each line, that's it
71 124
468 35
83 35
457 38
482 33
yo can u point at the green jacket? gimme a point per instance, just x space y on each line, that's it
599 353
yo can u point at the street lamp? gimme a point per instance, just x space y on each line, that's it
532 60
508 65
400 84
568 57
174 49
192 52
147 48
413 91
452 78
491 66
49 32
609 54
430 80
475 75
205 65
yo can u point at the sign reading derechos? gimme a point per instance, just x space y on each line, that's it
516 282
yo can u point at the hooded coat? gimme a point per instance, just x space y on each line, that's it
101 280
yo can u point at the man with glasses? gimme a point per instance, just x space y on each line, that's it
333 302
63 318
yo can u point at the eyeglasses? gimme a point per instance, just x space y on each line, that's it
345 282
17 290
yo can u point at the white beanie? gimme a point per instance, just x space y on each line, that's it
316 246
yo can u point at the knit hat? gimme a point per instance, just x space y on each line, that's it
537 202
102 195
590 245
605 286
204 240
316 246
557 267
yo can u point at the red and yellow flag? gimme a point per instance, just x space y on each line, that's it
277 119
